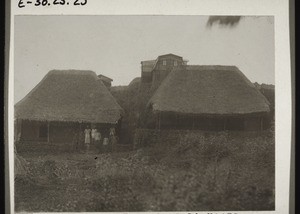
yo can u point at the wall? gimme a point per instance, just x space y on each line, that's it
63 137
161 71
65 133
60 132
173 121
147 137
106 83
30 130
146 77
253 124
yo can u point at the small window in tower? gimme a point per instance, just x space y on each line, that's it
164 62
175 63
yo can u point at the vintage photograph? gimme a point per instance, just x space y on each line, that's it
131 113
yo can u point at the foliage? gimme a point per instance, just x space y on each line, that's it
189 170
133 100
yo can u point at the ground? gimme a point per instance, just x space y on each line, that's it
218 172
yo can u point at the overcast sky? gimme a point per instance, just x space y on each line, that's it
115 45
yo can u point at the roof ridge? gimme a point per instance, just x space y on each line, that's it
212 66
71 72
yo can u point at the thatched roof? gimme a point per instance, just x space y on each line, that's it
105 78
69 95
210 90
135 81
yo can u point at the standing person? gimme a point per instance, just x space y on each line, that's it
94 131
112 138
98 139
113 142
87 139
112 132
105 144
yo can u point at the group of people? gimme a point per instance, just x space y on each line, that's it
93 136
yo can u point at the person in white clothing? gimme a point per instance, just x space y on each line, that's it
97 136
87 139
98 140
93 133
105 144
112 132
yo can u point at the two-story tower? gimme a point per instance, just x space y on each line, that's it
154 71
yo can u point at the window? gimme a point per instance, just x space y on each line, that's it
164 62
175 63
43 132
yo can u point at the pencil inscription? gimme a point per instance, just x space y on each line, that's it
22 3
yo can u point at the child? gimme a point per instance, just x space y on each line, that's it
105 144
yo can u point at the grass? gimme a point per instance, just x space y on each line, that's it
224 171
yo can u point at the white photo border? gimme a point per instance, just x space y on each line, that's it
283 96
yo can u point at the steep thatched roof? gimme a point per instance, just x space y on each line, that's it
135 81
69 95
210 90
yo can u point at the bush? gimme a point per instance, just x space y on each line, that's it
179 171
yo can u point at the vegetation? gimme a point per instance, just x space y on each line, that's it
133 99
269 92
198 171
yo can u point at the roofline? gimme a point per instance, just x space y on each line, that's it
156 60
51 72
101 75
247 114
235 69
170 54
153 60
67 121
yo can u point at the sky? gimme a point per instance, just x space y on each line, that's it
115 45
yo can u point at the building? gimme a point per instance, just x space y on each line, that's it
146 70
208 98
63 105
154 71
106 80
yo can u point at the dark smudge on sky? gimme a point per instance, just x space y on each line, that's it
230 21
